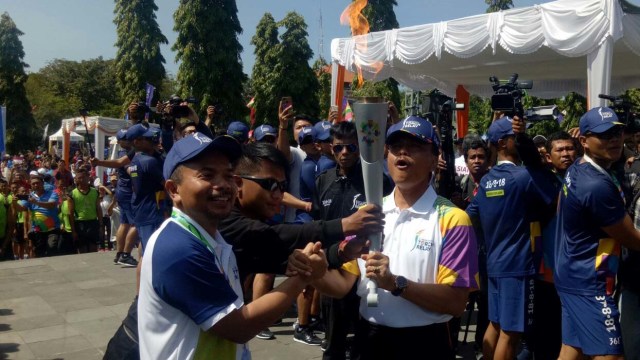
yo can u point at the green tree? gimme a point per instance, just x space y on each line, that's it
20 124
480 114
381 16
295 77
324 80
264 77
138 59
497 5
208 50
48 107
572 106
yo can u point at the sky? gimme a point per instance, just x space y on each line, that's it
83 29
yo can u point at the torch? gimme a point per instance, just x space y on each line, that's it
371 122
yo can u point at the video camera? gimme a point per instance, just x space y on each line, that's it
623 110
542 113
176 110
508 95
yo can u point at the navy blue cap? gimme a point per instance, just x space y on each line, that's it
238 130
264 130
323 130
190 146
121 134
307 131
139 130
500 129
598 120
418 127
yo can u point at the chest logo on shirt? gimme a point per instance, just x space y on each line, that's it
357 203
326 202
421 242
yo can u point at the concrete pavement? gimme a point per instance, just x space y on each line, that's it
68 307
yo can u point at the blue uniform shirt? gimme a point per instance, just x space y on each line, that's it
511 201
586 257
325 163
147 201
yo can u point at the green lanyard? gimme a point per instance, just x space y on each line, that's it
184 222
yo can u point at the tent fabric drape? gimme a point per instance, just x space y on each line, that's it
565 28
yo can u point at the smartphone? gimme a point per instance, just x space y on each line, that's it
22 197
334 108
285 102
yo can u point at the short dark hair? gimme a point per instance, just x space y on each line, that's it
558 135
254 154
473 142
304 117
344 130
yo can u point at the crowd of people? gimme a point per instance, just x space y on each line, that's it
533 236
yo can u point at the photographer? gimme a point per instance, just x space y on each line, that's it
178 120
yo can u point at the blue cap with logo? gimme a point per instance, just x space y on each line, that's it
306 132
598 120
139 130
190 146
323 130
121 134
238 130
418 127
500 129
264 130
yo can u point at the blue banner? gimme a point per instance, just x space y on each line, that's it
150 89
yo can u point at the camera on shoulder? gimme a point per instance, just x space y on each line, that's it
508 95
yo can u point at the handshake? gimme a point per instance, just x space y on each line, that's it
309 263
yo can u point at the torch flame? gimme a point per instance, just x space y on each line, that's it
353 17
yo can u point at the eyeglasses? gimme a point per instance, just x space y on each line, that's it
609 134
269 184
337 148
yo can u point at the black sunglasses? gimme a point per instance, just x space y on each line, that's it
609 134
350 148
269 184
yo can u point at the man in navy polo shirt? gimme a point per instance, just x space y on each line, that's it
593 224
508 206
323 138
265 133
147 201
239 131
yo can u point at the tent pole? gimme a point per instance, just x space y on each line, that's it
599 64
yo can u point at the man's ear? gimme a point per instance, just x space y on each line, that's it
172 189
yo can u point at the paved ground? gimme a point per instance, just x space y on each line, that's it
68 307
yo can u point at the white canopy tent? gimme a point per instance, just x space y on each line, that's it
58 136
587 46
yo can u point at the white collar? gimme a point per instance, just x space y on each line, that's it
423 205
214 241
593 163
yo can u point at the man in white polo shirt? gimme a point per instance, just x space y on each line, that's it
423 280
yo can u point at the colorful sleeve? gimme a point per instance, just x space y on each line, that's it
351 267
459 256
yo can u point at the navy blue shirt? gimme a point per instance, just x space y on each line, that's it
147 182
510 202
307 178
123 187
586 256
325 163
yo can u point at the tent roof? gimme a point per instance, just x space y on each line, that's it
109 126
59 136
546 43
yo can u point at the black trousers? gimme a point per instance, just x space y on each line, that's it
45 243
340 317
546 339
375 342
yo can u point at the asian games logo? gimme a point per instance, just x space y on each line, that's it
370 131
203 139
422 243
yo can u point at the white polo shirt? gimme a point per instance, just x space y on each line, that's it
432 243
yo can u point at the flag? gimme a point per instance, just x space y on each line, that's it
347 114
44 134
3 129
150 89
252 116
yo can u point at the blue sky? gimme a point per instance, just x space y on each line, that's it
84 29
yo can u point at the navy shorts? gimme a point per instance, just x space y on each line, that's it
591 323
145 231
126 214
511 302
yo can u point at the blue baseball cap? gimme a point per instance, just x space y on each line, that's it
139 130
306 132
598 120
418 127
500 129
238 130
264 130
121 134
190 146
323 130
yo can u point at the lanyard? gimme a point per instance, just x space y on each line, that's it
187 225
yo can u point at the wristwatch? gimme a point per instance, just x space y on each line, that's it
401 284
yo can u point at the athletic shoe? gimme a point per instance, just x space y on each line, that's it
316 325
306 336
265 334
324 344
128 260
117 258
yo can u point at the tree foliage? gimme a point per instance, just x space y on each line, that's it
324 92
480 114
208 50
295 77
264 78
138 59
20 124
497 5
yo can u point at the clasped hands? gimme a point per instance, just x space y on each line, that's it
309 263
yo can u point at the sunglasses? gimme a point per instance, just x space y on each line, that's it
609 134
350 148
269 184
